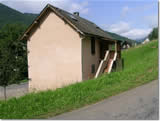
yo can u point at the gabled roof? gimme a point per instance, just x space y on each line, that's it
82 25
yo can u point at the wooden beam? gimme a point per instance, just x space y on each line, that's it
116 46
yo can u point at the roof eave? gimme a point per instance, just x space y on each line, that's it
102 38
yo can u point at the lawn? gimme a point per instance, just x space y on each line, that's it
140 67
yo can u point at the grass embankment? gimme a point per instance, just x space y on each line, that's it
141 66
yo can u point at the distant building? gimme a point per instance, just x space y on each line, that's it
125 45
146 41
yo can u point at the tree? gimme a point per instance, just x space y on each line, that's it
154 34
13 55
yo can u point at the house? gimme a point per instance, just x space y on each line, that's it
146 41
64 48
126 45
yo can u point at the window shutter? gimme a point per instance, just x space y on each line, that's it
92 45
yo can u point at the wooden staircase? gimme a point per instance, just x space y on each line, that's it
107 63
113 56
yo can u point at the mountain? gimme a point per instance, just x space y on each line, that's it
122 38
9 15
153 35
142 39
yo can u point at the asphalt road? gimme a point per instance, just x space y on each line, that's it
139 103
14 90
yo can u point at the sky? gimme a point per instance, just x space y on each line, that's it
134 19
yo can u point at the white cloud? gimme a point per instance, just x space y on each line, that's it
137 33
125 29
82 7
119 28
124 11
35 6
152 20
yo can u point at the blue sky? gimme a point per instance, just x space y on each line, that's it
131 18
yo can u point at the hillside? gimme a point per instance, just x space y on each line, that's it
9 15
140 67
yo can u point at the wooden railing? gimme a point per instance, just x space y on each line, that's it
107 63
102 64
110 65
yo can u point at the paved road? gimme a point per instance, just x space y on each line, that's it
139 103
14 90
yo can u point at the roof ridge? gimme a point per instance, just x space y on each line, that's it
98 27
82 25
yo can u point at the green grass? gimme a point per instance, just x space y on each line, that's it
141 66
25 80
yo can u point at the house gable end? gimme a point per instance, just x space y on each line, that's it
55 54
37 22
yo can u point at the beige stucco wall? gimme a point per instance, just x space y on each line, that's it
88 59
55 55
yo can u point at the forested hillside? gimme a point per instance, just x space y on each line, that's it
9 16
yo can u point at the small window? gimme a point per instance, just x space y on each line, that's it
93 68
93 45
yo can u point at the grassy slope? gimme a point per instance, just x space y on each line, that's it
141 66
